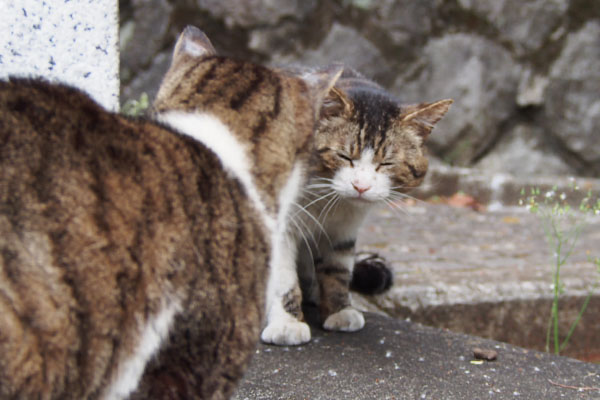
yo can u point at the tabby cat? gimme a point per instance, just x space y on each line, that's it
134 254
369 150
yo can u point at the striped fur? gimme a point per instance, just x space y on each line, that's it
369 150
134 257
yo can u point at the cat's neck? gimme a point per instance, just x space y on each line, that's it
214 134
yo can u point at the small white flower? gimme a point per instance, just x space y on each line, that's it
550 194
563 196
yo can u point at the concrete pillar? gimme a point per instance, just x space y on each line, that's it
73 41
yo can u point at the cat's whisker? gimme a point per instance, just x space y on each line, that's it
313 218
404 196
306 228
325 211
304 238
313 184
320 178
395 208
319 186
336 206
318 182
306 193
318 199
397 204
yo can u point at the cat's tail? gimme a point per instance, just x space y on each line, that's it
371 274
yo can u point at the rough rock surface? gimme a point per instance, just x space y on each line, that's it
525 78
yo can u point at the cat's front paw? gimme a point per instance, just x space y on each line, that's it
347 320
289 333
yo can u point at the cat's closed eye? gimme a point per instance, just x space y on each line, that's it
346 158
384 164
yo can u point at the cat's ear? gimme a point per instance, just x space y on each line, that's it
426 115
337 103
321 85
192 42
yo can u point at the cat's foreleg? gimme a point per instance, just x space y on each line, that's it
333 272
284 299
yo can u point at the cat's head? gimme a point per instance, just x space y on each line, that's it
270 113
368 146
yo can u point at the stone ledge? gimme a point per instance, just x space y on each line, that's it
498 189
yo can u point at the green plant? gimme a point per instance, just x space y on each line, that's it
134 108
563 226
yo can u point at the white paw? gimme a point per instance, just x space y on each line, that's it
347 320
288 333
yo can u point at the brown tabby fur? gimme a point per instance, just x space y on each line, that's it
358 114
105 221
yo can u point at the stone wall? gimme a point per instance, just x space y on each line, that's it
525 74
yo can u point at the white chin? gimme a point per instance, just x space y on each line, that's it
362 201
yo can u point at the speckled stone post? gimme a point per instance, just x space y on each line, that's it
70 41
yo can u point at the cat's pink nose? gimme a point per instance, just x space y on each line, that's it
360 188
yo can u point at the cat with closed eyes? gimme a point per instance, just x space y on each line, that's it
134 253
369 150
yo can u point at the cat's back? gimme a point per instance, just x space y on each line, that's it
36 106
49 125
90 214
